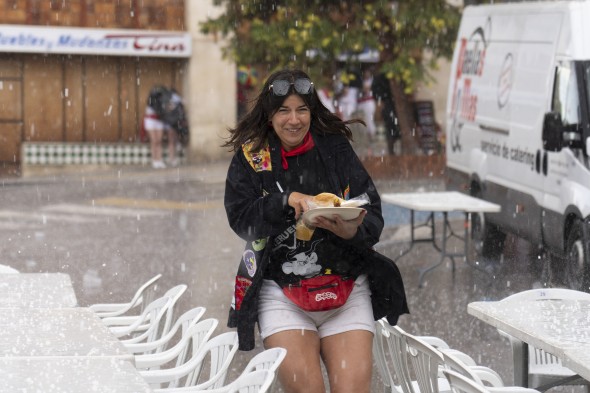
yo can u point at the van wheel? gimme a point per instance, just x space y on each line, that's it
487 239
576 258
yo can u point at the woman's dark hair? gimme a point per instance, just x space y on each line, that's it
255 125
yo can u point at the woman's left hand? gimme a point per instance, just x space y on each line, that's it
341 228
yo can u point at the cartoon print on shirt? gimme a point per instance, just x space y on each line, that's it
303 263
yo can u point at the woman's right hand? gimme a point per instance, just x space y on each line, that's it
298 201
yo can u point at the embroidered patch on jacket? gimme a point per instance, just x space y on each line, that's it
346 193
259 160
242 285
259 244
249 259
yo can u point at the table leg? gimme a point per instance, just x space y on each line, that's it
520 359
429 222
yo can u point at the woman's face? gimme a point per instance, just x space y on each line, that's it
291 122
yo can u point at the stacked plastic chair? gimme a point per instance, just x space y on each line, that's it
143 296
428 364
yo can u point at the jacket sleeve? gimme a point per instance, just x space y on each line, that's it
253 213
359 181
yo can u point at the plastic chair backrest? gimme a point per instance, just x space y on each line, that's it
186 320
398 351
221 354
152 315
143 296
461 384
426 362
259 381
269 359
482 375
174 294
379 343
220 349
147 291
192 339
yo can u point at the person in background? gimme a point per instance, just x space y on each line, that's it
367 105
384 98
287 149
175 123
348 101
153 124
326 96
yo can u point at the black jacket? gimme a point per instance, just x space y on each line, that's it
257 210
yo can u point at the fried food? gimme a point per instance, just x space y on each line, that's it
326 199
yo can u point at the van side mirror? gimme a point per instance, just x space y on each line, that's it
552 131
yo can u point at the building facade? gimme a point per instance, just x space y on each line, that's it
79 71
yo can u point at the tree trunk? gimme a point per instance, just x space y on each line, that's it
405 116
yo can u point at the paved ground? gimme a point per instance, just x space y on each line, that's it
112 229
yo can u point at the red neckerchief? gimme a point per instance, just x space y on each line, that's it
305 146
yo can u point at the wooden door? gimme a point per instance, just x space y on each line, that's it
11 108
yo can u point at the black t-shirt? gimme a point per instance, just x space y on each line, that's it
292 259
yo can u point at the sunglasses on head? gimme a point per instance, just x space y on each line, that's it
280 87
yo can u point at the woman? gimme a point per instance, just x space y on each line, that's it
288 149
154 126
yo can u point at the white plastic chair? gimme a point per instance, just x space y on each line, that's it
133 325
396 375
269 359
544 368
426 362
388 340
185 321
192 340
5 269
143 296
145 327
480 374
462 384
220 350
258 381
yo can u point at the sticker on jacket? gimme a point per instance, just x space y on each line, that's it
259 160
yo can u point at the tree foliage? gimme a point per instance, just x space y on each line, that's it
312 34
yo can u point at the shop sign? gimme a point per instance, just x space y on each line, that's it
81 41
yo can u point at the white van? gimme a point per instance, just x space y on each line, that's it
518 119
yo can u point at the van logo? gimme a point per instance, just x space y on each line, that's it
470 63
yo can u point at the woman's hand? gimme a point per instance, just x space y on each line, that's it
298 201
339 227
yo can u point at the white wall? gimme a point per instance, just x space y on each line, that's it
210 87
437 92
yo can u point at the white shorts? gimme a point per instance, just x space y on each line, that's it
277 313
151 124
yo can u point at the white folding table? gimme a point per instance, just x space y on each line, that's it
35 290
443 202
559 327
70 375
46 332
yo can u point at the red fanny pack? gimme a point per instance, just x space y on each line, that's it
320 293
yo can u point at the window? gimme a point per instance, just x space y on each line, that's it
565 95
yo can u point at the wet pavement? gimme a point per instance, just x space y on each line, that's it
111 229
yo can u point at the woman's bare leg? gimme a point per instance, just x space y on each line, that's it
301 370
349 360
156 144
